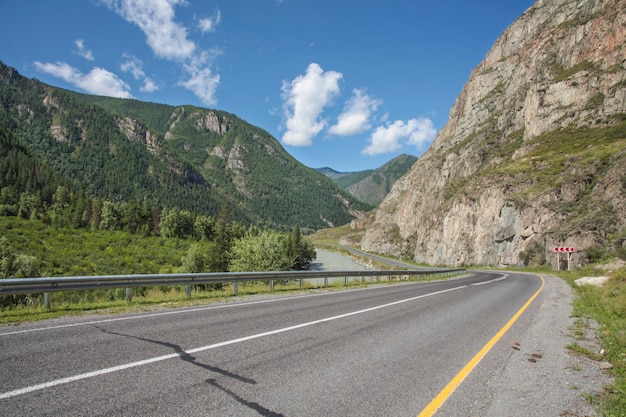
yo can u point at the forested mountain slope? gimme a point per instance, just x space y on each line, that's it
533 155
372 185
185 157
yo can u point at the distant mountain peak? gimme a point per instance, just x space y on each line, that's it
372 185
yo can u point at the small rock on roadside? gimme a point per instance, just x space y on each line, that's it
597 281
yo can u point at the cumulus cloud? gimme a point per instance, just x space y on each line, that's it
82 51
169 40
201 80
135 66
98 81
423 134
389 138
148 86
304 100
208 24
356 115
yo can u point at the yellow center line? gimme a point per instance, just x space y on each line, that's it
445 393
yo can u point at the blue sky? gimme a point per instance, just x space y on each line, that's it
340 83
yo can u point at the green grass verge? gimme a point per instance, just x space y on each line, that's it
607 306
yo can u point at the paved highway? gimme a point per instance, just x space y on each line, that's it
384 350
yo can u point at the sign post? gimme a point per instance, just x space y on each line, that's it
563 249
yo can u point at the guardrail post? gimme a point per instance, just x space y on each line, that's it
46 300
46 285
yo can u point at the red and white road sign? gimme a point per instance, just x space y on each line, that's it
564 249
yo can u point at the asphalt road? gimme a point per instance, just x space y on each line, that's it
385 350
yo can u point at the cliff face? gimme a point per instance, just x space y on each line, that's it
533 154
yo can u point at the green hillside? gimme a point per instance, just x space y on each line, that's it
371 186
182 157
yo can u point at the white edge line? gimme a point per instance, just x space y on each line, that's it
167 313
505 276
61 381
191 310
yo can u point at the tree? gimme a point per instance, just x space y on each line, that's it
136 217
110 216
7 257
15 265
30 206
193 261
25 266
96 214
299 251
60 205
177 223
261 252
204 228
223 240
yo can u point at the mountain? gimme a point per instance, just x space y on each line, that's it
332 174
533 155
185 157
371 186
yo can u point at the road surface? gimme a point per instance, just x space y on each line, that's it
383 350
485 344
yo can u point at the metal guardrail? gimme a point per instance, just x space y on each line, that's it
14 286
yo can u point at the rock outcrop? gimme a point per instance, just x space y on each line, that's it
533 154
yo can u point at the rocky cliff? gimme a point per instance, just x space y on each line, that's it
533 154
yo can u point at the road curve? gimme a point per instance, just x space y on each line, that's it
381 351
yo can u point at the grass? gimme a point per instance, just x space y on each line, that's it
75 252
607 306
576 347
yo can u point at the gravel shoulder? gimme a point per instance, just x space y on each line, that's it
559 381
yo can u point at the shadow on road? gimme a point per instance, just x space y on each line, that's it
193 360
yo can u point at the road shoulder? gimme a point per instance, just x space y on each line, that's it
542 376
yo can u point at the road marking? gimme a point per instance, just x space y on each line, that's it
447 391
104 371
505 276
143 316
191 310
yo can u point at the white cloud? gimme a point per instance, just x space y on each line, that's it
98 81
134 65
304 100
356 115
386 139
202 82
85 53
148 86
169 40
155 18
208 24
423 134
